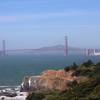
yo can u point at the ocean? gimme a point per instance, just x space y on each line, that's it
13 68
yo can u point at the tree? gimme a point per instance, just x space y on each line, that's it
74 66
88 63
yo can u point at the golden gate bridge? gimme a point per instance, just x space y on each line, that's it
66 49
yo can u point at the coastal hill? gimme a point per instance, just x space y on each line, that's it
50 80
75 82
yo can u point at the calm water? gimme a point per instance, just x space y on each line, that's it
14 68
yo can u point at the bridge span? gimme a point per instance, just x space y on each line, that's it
64 48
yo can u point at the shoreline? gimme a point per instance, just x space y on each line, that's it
9 86
12 93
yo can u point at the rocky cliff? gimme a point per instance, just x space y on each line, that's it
49 80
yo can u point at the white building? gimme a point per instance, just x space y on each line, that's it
96 53
93 52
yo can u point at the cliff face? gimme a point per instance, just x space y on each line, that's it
48 80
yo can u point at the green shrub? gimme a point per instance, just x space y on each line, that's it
89 63
35 96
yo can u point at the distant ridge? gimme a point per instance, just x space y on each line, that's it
60 47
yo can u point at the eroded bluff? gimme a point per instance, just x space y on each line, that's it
49 80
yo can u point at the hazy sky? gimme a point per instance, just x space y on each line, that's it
37 23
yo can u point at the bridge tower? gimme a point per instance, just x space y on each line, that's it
3 47
66 45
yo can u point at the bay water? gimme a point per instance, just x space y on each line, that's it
13 68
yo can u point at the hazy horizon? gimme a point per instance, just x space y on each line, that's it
40 23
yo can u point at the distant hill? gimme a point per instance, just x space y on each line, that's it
59 47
